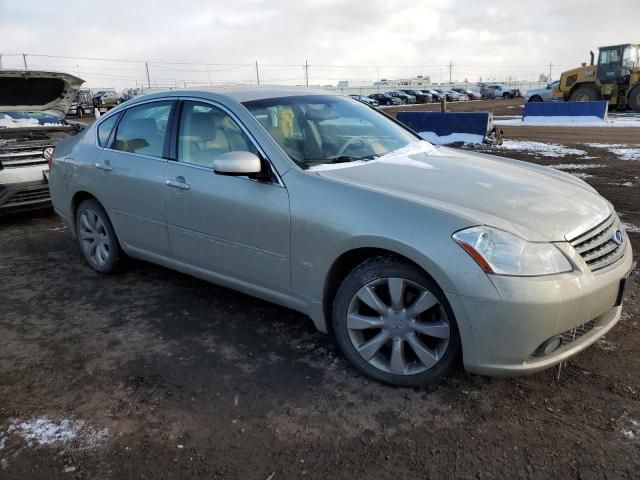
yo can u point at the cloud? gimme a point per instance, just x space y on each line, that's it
342 39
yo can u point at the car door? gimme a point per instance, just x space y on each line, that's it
236 227
131 176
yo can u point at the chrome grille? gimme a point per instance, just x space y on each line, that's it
23 154
577 332
597 246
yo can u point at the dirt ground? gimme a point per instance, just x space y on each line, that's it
149 373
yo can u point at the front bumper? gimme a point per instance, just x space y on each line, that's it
23 189
502 337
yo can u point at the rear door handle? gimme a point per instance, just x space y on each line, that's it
104 167
176 184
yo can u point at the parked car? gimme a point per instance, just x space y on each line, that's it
544 94
498 91
405 98
436 95
394 246
125 97
31 123
82 104
450 95
384 99
366 100
471 95
420 96
106 98
462 97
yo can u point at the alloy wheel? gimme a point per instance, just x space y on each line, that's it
94 238
398 326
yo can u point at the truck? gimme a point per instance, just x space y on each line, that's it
615 78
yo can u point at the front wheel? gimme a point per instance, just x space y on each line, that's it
535 99
634 99
394 324
585 94
96 237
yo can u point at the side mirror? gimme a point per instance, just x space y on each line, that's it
237 163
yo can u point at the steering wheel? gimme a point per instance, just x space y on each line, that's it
350 142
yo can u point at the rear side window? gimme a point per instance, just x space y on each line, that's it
105 128
143 129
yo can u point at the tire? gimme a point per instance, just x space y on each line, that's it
96 237
506 95
634 99
585 94
389 343
535 99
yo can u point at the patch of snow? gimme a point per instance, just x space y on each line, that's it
45 431
3 442
9 122
544 149
623 152
452 138
576 166
631 228
401 156
629 434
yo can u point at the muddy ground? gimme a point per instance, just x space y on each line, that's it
149 373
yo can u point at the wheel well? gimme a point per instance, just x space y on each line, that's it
343 265
77 199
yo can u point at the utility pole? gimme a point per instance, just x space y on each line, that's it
550 66
146 64
24 59
257 73
450 72
306 72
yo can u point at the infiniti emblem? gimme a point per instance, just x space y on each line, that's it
617 237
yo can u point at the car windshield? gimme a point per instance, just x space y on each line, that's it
320 129
28 119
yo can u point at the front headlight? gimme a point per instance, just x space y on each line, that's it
502 253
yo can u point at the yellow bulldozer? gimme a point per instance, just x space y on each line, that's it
616 78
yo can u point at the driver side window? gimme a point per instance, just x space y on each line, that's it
207 132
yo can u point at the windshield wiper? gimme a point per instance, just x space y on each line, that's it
347 158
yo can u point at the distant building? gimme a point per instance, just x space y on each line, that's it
418 82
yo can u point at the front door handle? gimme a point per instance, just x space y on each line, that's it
176 184
103 166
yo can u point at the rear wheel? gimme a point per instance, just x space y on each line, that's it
585 94
535 98
394 324
634 99
96 237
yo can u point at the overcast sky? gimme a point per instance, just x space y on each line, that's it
342 39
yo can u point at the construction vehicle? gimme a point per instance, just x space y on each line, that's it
616 78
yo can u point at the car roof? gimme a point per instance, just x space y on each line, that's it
242 93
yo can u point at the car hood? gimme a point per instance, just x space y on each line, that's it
34 91
535 202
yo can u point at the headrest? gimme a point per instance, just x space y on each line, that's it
203 127
142 127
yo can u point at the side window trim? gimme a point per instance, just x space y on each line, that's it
176 127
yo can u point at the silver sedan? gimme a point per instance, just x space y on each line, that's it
411 255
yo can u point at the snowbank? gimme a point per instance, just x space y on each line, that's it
544 149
